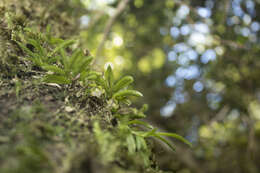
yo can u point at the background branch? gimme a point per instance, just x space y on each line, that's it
119 9
95 19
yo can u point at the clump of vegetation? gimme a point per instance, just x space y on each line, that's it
59 115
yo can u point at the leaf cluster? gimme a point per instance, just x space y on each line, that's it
117 90
63 65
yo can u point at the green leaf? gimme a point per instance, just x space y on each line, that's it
109 77
127 102
140 143
91 77
165 141
100 81
28 51
62 46
150 133
176 136
122 83
74 58
36 61
125 93
57 79
39 48
34 57
145 124
64 59
145 134
54 69
84 64
131 145
54 40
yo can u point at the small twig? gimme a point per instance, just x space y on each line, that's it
95 19
119 9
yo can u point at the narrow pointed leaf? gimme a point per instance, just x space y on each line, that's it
150 133
140 143
100 81
145 124
91 77
84 64
109 76
62 46
36 61
145 134
125 93
54 41
54 69
176 136
64 59
165 141
28 51
74 59
122 83
39 48
131 144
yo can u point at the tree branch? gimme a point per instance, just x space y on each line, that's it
95 19
119 9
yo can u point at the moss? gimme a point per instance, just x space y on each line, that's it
38 133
